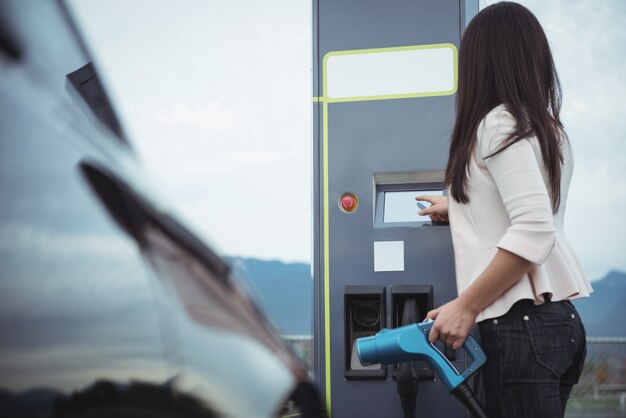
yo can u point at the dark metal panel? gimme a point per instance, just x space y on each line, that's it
367 138
360 24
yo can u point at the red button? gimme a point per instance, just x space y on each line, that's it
348 202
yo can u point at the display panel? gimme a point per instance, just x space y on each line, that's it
401 206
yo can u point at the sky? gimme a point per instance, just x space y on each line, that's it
216 98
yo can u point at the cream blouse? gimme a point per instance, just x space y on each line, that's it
510 208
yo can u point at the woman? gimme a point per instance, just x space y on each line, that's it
508 174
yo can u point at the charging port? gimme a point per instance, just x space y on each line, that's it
423 294
364 315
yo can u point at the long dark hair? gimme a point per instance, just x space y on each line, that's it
505 59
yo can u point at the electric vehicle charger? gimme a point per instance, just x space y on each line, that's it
410 343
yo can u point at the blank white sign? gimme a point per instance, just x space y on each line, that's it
388 255
392 72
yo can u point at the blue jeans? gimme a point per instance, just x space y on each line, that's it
535 355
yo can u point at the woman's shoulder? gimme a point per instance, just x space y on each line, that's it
497 117
497 125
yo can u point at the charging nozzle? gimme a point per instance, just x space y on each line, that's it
366 349
409 343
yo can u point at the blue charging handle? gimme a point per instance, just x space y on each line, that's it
409 343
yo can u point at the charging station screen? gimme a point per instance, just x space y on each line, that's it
401 206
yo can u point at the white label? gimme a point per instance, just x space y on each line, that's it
381 73
389 256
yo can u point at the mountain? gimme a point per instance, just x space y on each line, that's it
30 403
283 290
604 313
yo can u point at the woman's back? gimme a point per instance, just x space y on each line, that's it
509 208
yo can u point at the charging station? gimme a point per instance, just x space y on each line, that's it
384 83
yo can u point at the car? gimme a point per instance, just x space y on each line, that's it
110 305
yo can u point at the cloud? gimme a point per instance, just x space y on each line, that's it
212 116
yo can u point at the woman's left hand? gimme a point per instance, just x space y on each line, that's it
453 323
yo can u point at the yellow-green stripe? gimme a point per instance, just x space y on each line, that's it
326 257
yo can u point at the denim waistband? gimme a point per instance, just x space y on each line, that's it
528 305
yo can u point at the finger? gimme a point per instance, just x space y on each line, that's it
458 344
433 335
426 198
432 315
460 339
450 341
441 218
427 211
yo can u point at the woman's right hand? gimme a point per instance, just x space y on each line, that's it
438 209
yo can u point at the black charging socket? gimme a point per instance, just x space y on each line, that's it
423 294
364 315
